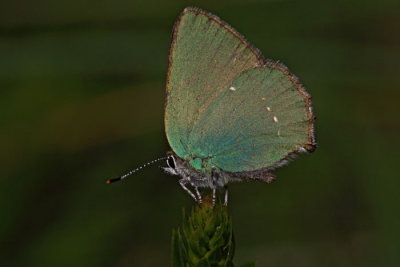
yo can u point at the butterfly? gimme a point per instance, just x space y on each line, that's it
230 114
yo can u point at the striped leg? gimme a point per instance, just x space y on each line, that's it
214 186
198 194
183 182
213 197
197 191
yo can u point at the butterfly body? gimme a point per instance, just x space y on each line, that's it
212 175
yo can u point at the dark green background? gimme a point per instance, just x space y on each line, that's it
81 100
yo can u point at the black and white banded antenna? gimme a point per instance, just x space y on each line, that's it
135 170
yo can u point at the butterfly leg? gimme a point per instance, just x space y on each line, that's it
183 183
214 187
198 193
213 199
226 195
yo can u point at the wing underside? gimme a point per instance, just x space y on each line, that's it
225 103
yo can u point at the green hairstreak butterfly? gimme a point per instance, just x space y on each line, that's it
230 114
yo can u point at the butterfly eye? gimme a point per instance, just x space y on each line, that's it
171 162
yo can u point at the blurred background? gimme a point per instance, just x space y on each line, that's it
81 100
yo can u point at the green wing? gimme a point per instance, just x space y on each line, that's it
255 122
205 56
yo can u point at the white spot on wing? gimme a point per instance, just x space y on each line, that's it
302 150
268 108
275 119
232 88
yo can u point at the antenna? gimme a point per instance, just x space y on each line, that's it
135 170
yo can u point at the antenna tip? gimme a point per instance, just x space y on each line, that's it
113 180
